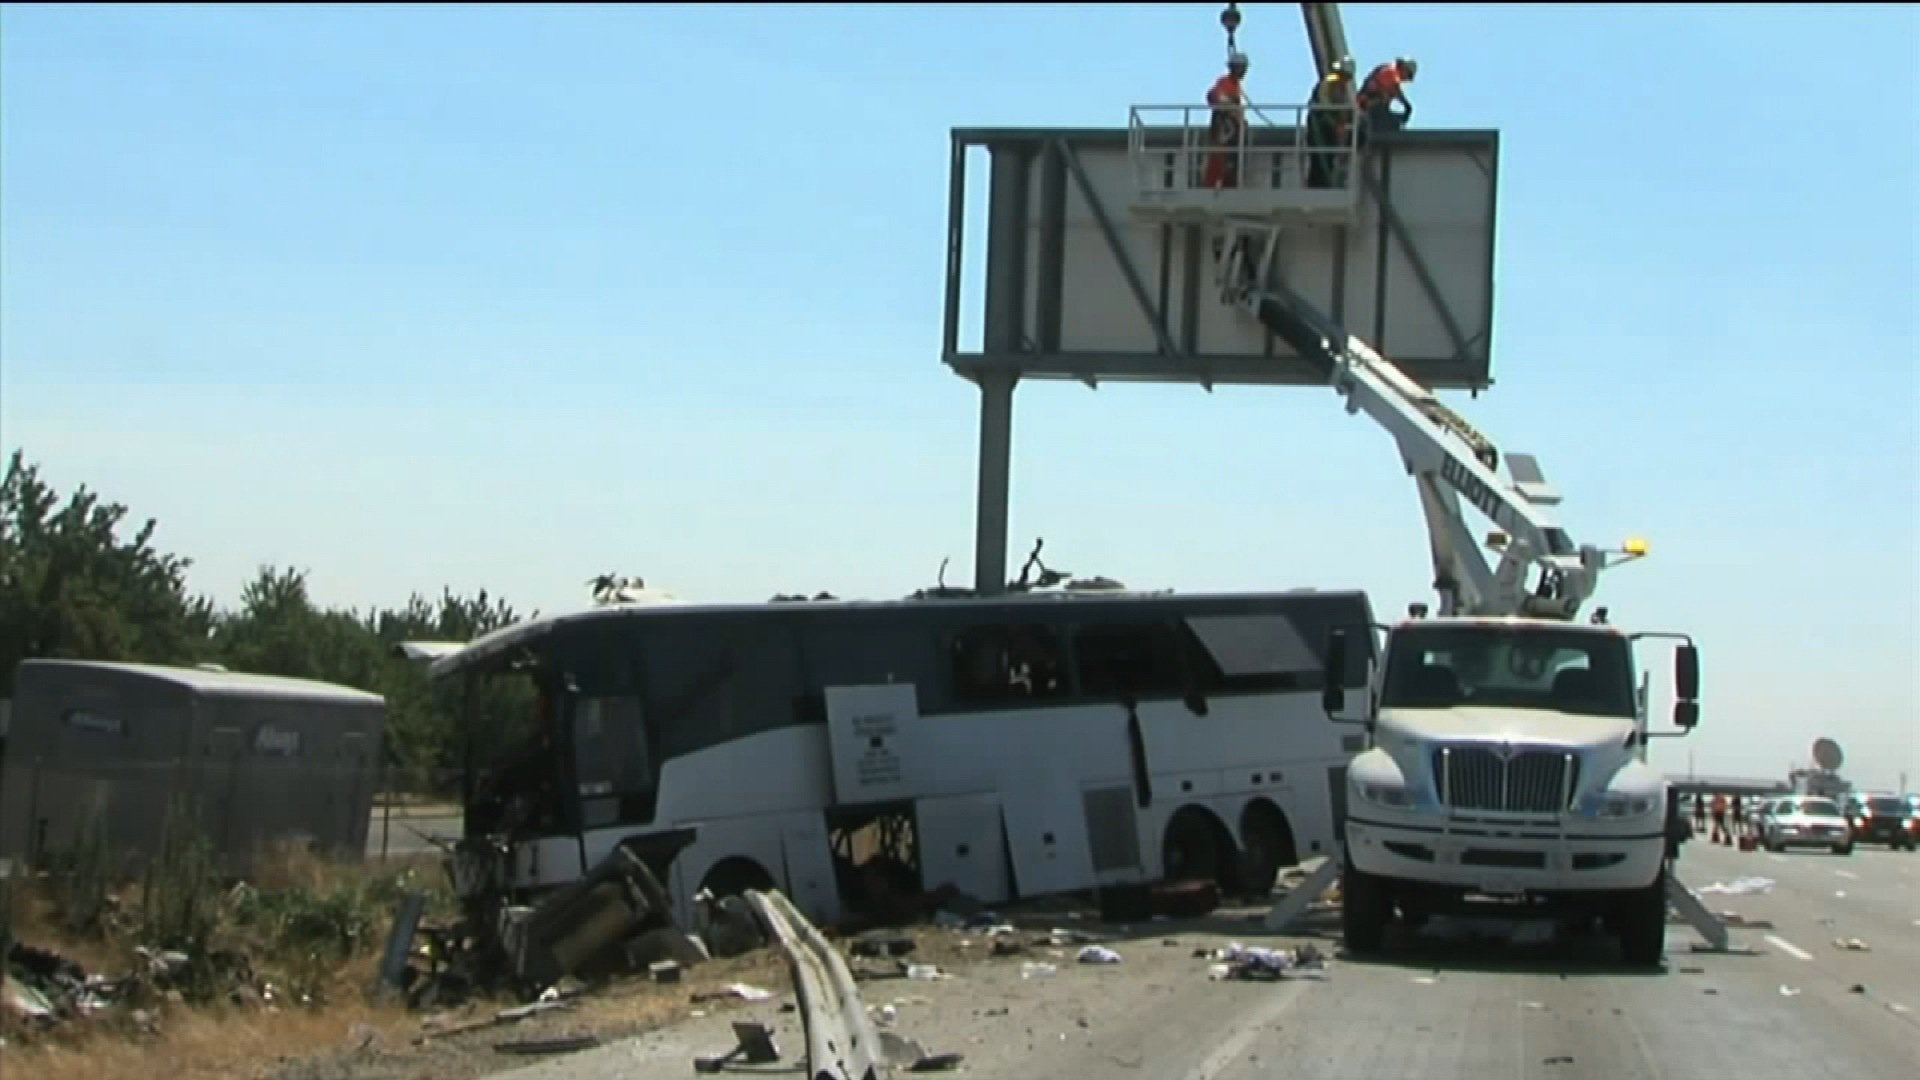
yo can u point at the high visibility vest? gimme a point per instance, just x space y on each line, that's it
1383 84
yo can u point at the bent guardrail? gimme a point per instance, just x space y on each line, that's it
841 1041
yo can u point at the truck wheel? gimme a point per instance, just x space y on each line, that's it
1365 910
1843 849
1642 922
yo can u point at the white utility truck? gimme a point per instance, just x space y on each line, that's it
1505 759
1506 751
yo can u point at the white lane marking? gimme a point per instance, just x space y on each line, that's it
1227 1052
1788 947
1778 858
1848 874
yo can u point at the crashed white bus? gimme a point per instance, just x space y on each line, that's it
1011 746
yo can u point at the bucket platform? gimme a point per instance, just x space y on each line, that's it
1168 147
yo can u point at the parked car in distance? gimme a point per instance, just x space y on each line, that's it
1889 820
1805 821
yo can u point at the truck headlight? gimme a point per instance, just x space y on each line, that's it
1394 795
1626 806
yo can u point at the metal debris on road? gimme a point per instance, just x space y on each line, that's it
752 1043
564 1045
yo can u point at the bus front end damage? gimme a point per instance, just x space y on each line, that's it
532 908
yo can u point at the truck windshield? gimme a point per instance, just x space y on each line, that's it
1513 667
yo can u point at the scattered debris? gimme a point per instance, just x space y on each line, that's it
1789 991
1036 970
753 1044
504 1016
1098 954
564 1045
1746 886
881 945
1186 899
1255 964
1851 945
734 990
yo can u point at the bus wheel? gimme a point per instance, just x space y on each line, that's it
1267 845
1192 849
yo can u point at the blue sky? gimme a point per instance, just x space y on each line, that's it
497 297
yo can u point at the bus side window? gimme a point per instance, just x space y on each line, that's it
1263 652
1007 663
1141 659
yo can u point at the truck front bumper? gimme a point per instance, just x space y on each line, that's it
1506 859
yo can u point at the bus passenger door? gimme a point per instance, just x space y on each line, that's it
961 844
1047 833
808 853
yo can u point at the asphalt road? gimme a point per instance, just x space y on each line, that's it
1785 1003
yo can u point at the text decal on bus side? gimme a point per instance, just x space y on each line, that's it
878 762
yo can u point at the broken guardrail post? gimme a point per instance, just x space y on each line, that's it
391 978
1697 914
1295 903
841 1041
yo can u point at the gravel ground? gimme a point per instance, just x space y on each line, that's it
995 1011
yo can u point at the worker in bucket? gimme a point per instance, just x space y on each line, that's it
1384 88
1330 125
1227 130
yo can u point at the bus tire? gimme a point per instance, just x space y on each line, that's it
1192 849
1266 846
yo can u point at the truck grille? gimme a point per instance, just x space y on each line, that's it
1529 782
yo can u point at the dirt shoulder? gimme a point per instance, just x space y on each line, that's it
1000 1013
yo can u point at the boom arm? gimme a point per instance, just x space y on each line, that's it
1449 460
1326 35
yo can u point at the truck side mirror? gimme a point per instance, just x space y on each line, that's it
1686 714
1333 690
1686 674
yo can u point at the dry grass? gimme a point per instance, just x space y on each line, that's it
190 1043
341 1034
310 929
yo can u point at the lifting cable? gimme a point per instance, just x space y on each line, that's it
1230 21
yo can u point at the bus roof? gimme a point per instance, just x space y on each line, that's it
489 646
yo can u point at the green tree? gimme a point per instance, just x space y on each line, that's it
72 585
